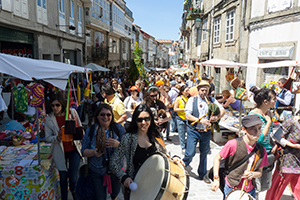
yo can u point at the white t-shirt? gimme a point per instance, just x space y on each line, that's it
128 103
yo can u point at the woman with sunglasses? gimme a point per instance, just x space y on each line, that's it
142 140
63 151
98 144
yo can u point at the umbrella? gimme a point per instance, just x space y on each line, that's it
96 67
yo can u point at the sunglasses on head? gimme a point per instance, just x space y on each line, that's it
147 119
55 105
103 114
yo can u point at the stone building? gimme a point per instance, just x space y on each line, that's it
51 30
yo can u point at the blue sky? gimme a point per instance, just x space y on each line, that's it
159 18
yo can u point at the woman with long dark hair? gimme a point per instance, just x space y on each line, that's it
98 144
63 152
121 92
141 140
264 99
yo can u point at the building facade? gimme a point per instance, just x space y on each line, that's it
44 29
215 29
272 37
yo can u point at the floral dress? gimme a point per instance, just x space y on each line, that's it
291 160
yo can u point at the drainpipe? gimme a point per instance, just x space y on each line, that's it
211 33
241 27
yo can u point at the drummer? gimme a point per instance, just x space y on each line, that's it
234 151
142 140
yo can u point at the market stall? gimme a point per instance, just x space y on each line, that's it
230 122
27 170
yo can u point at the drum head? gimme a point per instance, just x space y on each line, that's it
235 194
150 178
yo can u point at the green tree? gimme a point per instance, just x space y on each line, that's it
137 68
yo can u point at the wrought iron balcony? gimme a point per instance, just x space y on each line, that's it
99 53
194 13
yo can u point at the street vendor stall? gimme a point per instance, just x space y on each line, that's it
251 78
27 171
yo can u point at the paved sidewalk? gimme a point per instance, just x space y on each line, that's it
199 190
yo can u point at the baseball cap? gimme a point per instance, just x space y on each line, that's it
173 82
133 88
251 120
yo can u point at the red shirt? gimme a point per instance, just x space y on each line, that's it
68 146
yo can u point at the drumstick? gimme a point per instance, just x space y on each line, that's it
198 119
252 168
244 184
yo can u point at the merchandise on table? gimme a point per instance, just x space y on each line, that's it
21 176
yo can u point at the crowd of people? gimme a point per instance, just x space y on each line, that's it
133 121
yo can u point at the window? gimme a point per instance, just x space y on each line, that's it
110 45
61 6
217 28
79 13
229 25
205 30
72 10
79 21
42 11
101 10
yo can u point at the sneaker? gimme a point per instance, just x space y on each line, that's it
205 179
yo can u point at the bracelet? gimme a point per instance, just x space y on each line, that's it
216 177
176 157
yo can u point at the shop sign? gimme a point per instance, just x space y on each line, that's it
17 49
278 5
276 53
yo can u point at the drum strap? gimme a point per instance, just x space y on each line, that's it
236 165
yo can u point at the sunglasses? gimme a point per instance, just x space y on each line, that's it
103 114
154 95
55 105
147 119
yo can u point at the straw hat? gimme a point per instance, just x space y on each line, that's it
203 83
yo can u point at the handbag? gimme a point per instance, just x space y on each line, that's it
79 131
229 75
224 172
241 94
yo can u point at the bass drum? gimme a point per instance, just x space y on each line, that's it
160 178
235 195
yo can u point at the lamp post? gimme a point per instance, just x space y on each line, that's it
197 23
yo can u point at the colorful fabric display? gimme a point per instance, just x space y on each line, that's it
36 95
20 99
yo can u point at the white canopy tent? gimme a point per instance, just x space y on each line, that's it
219 63
95 67
56 73
284 63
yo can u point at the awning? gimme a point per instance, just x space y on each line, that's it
56 73
94 67
219 63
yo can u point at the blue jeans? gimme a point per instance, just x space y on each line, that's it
181 127
100 190
193 137
227 189
173 121
74 158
